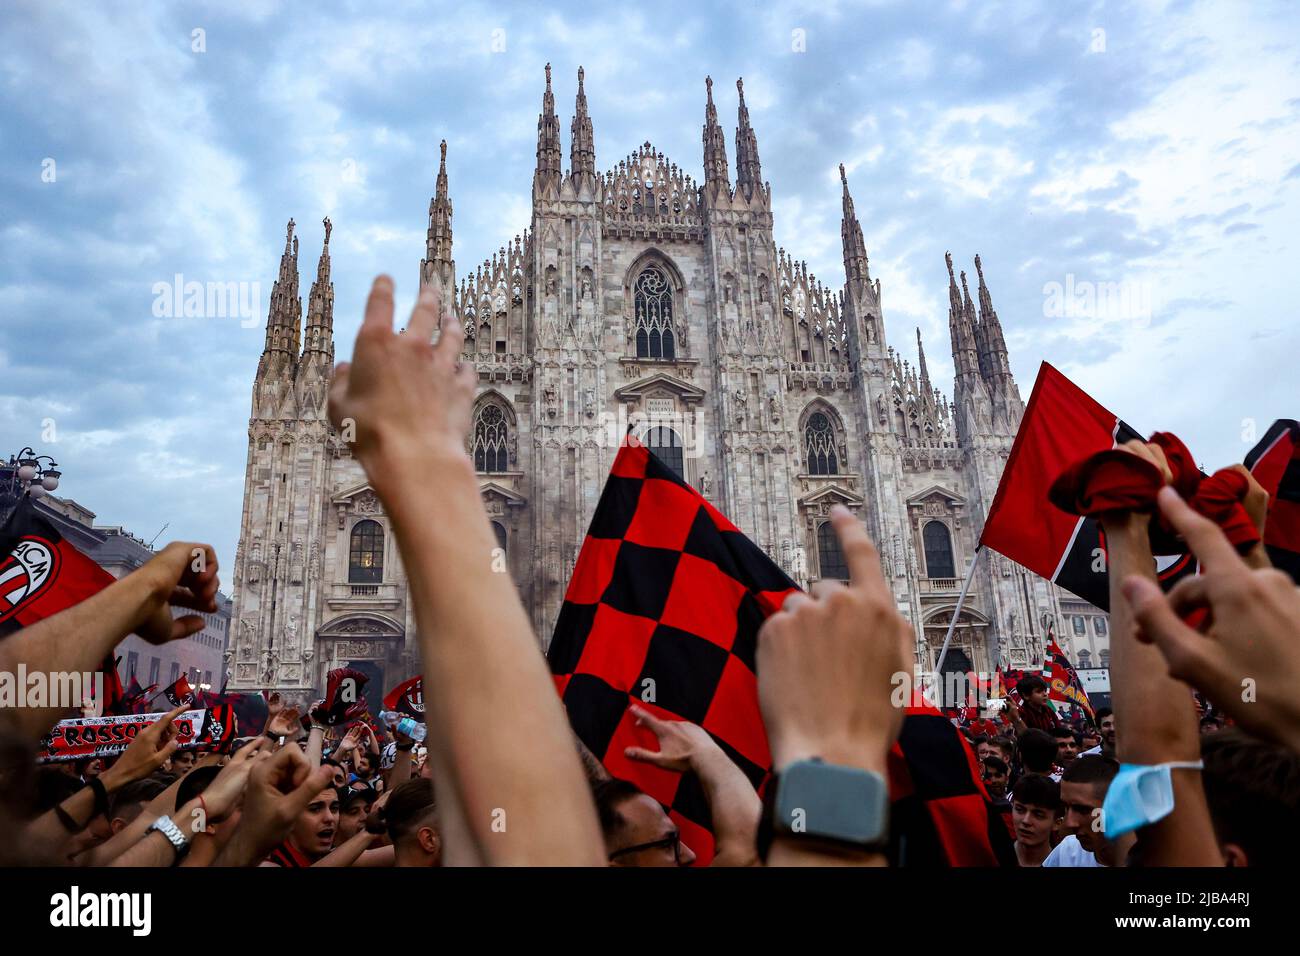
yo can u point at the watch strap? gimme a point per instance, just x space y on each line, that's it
168 828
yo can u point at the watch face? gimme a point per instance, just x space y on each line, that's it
828 802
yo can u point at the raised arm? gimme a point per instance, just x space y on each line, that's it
78 639
733 802
1154 713
498 740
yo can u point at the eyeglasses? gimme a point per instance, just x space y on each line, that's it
673 841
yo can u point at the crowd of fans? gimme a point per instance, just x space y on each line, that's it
501 780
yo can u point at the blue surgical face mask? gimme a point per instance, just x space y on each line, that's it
1140 795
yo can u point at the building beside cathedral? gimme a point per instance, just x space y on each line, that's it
641 298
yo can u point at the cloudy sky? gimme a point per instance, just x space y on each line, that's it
1152 149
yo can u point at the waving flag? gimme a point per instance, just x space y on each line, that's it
181 692
1061 425
1275 463
1063 680
41 574
407 698
663 610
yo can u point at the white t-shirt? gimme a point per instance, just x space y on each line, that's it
1069 852
1093 752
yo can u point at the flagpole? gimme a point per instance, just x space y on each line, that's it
961 599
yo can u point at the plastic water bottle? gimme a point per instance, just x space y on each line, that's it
412 728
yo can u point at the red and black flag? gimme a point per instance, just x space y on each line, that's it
1062 425
135 699
344 700
940 813
41 574
663 610
249 710
1275 463
1063 680
407 698
181 693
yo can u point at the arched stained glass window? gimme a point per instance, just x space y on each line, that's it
819 444
652 302
938 551
366 553
491 439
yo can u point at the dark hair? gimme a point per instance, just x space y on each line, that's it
194 783
1006 745
1027 685
1093 768
1253 792
1101 714
997 764
409 807
608 794
130 800
1060 733
1037 750
1039 790
350 795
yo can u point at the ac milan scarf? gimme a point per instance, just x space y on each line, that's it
79 738
1116 480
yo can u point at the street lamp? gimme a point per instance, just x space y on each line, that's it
25 474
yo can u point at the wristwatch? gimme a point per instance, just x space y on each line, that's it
172 832
827 806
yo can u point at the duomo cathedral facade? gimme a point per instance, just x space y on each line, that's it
640 298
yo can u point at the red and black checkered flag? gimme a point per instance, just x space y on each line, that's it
41 574
663 610
940 813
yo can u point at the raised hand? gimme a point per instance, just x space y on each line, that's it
150 749
826 663
279 789
287 722
183 575
1248 659
682 744
407 401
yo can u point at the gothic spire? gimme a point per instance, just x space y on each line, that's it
965 357
437 248
548 141
855 247
320 306
926 390
582 146
994 344
954 297
749 173
715 145
284 321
